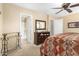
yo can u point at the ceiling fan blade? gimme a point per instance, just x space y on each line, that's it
57 8
65 5
75 5
68 10
59 11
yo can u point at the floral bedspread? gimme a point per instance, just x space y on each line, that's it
66 44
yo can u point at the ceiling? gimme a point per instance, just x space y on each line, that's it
47 8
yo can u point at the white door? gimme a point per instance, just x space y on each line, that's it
28 29
23 29
58 26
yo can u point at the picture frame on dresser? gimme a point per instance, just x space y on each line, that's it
40 25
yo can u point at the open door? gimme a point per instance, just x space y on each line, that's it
26 29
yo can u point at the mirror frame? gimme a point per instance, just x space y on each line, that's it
40 21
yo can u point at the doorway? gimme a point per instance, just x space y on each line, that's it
25 29
56 26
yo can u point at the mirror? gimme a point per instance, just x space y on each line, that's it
40 25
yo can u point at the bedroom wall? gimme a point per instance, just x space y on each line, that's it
11 16
49 17
1 18
71 18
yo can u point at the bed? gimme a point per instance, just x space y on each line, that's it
64 44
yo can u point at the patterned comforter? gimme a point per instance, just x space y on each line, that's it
66 44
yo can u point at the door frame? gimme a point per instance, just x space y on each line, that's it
31 28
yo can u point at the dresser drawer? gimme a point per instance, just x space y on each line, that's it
39 37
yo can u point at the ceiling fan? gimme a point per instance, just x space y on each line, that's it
66 6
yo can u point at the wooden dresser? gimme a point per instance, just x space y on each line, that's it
39 37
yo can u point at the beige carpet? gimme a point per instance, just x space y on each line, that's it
27 50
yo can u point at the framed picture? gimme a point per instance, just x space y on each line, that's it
40 25
73 25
